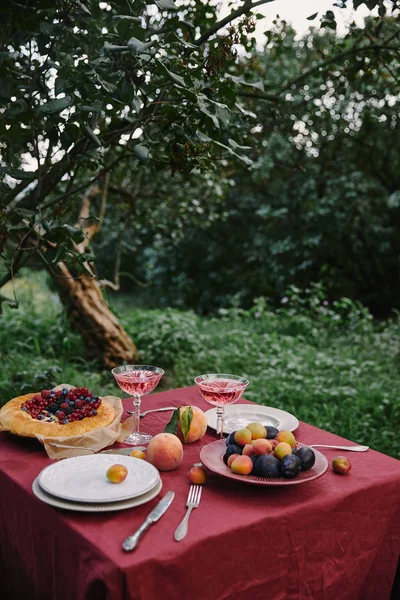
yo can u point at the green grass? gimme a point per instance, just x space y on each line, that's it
329 365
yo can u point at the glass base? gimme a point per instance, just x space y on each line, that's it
138 439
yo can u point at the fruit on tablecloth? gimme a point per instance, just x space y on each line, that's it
307 457
242 437
261 446
197 426
257 430
282 449
165 451
242 465
117 473
188 423
341 464
197 475
138 454
291 466
286 436
267 466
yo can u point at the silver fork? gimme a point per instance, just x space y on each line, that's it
193 501
350 448
130 412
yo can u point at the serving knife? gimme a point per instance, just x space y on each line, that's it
132 541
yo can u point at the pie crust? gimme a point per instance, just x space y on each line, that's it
20 422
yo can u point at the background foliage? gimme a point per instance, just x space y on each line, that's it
329 364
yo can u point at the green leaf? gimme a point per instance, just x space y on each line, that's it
165 4
25 212
91 136
186 421
138 45
53 107
113 48
18 173
176 78
142 152
312 17
126 18
95 107
172 425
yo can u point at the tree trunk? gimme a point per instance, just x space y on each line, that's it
89 313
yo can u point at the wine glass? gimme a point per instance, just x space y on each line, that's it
137 380
220 389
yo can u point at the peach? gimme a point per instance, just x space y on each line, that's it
273 443
340 464
286 436
231 459
198 425
261 446
197 475
248 450
257 430
138 454
242 437
282 449
243 465
165 451
116 473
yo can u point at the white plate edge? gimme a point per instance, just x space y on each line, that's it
51 500
213 411
73 499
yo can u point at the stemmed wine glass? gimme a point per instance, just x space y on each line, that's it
220 389
137 380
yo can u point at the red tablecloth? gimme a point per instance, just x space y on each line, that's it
337 537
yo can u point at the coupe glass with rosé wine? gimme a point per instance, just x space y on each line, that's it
220 389
137 380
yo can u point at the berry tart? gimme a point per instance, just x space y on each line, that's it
59 412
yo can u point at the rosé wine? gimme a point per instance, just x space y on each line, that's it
221 391
138 383
137 380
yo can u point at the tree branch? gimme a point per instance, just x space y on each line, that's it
331 60
242 10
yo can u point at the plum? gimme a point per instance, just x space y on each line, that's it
307 457
230 439
231 449
267 466
272 432
291 466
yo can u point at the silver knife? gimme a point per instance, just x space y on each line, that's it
132 541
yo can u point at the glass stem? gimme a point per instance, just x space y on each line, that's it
220 421
136 414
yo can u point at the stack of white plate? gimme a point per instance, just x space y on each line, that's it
80 483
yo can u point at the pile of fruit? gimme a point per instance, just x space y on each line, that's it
266 452
63 406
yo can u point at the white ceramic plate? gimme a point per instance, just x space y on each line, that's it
90 507
83 478
237 416
212 456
